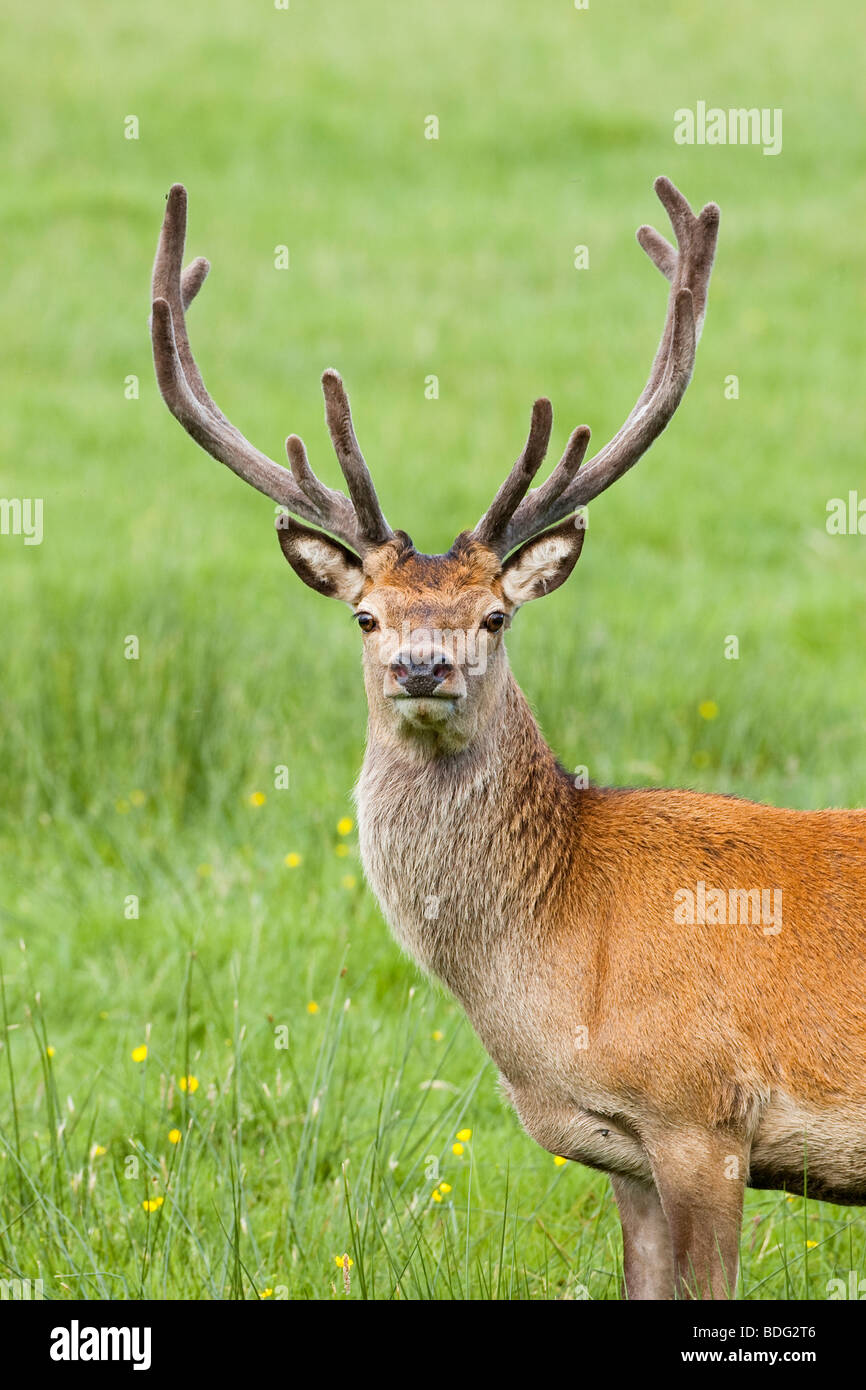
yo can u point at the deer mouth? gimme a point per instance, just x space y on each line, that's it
422 696
425 709
421 702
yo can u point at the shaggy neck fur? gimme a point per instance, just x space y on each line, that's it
468 851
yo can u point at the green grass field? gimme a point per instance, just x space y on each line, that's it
332 1081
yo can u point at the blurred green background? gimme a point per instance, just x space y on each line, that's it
153 779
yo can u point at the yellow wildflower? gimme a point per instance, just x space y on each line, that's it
292 860
312 1007
188 1083
708 709
152 1203
464 1135
257 799
345 826
139 1053
174 1136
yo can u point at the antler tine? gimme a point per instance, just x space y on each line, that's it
184 392
168 285
494 523
325 499
361 490
688 267
192 280
538 506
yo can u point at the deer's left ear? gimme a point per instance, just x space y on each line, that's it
545 562
328 567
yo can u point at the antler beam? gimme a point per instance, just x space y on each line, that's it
510 520
359 521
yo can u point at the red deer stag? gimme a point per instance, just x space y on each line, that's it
672 985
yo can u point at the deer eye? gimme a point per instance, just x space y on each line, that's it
366 622
494 622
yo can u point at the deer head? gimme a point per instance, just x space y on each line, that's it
433 625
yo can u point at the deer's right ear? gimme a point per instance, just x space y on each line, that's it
324 564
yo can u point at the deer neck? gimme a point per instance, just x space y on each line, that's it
466 852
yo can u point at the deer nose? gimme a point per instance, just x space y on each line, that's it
420 678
